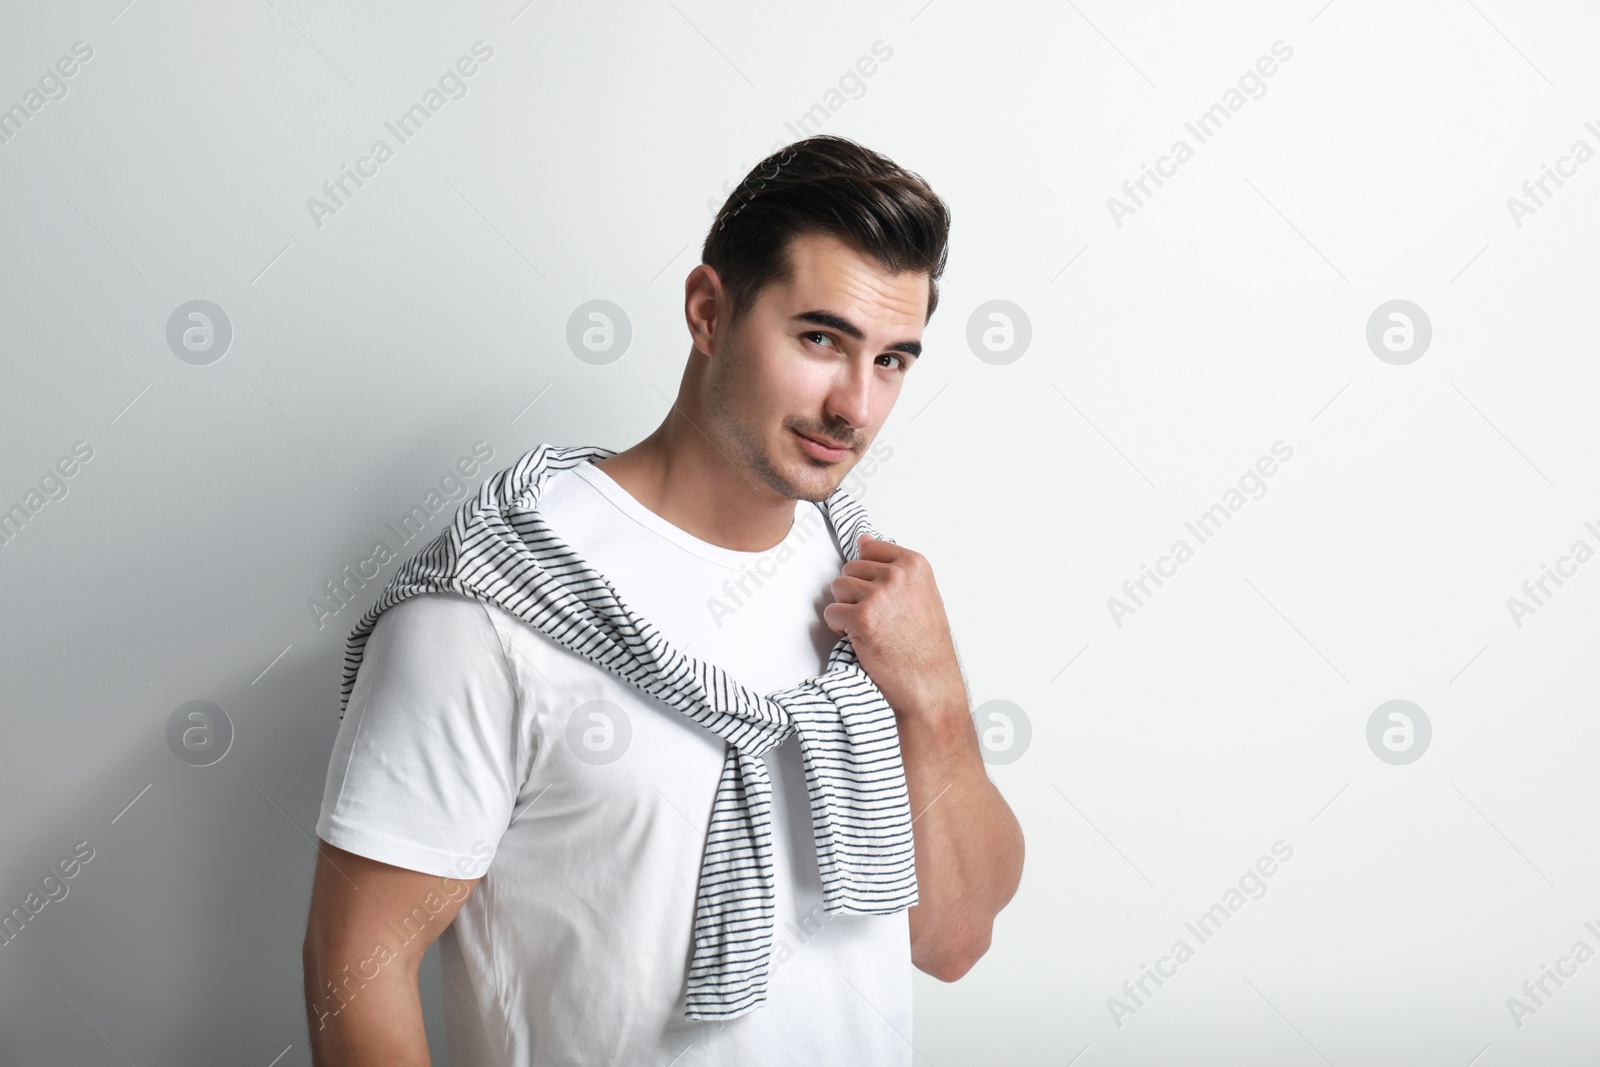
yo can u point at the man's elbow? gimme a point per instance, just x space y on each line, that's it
954 959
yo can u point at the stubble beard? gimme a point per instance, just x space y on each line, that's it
746 448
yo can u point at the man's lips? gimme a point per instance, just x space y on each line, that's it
824 443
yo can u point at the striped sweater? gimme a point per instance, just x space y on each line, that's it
499 549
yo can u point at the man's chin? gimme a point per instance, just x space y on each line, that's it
805 482
815 489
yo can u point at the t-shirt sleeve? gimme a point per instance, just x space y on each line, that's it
424 767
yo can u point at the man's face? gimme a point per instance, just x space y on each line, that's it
818 361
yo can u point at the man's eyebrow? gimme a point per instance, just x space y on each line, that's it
850 329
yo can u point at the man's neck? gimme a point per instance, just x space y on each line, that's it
682 476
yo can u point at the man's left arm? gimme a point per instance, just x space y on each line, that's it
968 843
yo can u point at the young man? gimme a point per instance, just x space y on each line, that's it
563 816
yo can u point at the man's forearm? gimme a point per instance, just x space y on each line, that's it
968 843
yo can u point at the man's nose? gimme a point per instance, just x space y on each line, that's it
851 398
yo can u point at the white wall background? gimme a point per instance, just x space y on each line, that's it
1167 354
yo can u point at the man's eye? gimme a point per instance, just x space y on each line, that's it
904 363
818 333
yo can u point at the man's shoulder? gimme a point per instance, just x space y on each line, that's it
434 621
445 625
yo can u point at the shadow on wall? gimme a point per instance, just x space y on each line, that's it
179 940
176 939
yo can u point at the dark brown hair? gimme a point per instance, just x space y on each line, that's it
825 184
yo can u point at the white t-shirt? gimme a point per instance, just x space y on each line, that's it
470 736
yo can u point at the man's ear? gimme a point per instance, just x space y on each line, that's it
705 308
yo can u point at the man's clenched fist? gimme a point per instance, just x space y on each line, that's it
887 603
